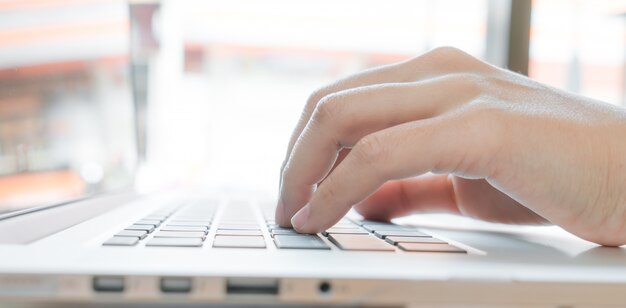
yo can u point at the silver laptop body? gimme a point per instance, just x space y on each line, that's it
491 265
220 246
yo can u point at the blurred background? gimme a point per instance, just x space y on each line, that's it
96 95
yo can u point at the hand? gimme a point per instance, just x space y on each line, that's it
498 146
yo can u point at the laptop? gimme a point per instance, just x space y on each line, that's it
76 231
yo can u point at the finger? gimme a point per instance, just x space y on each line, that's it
429 193
437 62
445 194
447 144
479 199
345 117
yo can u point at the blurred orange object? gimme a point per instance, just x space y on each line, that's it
26 189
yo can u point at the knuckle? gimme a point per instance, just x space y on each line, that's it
446 55
488 113
487 119
315 97
282 169
370 150
451 59
447 51
285 175
471 85
327 109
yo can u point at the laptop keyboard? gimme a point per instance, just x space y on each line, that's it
239 225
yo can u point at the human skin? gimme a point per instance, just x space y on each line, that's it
446 132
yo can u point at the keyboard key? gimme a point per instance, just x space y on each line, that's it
228 241
360 242
224 226
299 242
419 247
121 241
370 222
281 228
201 235
394 240
147 228
133 233
284 232
153 222
184 228
203 218
344 231
385 233
189 224
238 232
194 213
388 227
238 219
175 242
200 220
344 225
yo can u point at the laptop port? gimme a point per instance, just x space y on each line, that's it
112 284
252 286
175 285
325 287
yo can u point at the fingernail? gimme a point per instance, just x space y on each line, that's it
299 220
